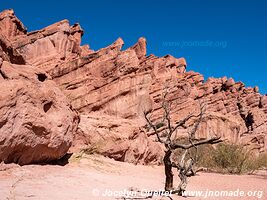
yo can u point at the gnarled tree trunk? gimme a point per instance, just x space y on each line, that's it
168 170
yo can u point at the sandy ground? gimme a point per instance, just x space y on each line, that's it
96 177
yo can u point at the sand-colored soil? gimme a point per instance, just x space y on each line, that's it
89 178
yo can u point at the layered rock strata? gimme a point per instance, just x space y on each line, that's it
111 88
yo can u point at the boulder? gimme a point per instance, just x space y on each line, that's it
36 120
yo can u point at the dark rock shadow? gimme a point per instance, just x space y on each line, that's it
62 161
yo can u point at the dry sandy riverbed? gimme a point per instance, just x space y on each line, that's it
92 177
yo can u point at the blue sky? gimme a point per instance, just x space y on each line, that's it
217 38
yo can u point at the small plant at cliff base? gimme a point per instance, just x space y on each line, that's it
92 148
261 161
236 159
166 135
205 157
230 158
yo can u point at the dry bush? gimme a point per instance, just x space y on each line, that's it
256 163
230 158
94 148
205 157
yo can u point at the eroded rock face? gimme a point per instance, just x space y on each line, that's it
10 25
118 138
118 85
36 121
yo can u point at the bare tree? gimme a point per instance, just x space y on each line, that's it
166 130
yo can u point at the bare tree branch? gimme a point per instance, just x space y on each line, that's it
182 122
164 134
153 126
166 109
201 142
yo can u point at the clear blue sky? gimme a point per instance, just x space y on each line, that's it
218 38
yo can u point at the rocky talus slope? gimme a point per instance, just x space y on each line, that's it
111 88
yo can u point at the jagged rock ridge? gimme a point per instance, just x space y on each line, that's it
111 88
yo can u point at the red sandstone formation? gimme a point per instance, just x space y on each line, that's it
36 121
111 88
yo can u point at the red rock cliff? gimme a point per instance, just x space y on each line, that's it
111 88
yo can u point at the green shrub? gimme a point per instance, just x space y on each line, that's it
256 163
205 156
262 161
230 158
233 158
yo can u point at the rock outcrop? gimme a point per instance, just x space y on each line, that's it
118 138
36 121
111 88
